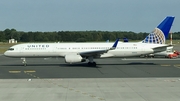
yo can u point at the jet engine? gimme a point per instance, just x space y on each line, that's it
74 58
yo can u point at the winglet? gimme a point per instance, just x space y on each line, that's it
115 44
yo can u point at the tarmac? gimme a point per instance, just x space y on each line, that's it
12 68
114 79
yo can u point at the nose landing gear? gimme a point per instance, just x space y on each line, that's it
24 61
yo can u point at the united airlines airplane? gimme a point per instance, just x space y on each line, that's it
80 52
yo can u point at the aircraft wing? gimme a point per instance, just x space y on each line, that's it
93 53
98 52
160 49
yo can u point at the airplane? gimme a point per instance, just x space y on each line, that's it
80 52
169 50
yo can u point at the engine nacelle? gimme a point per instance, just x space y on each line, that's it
74 58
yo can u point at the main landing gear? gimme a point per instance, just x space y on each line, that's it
91 62
24 61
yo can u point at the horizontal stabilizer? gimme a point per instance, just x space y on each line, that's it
160 49
125 39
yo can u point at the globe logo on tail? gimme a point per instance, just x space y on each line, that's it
160 33
156 37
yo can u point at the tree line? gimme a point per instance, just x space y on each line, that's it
72 36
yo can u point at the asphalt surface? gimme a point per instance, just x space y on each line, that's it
12 68
114 79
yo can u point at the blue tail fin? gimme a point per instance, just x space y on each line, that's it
160 34
125 39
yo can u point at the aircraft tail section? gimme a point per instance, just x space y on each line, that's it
160 34
125 39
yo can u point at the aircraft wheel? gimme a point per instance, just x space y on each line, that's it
24 61
93 64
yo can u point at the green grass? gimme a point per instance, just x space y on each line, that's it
173 41
4 47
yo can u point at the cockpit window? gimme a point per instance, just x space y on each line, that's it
11 49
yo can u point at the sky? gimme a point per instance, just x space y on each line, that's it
87 15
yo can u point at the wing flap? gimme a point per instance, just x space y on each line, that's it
93 53
96 53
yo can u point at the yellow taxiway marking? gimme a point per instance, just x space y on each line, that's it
165 65
177 66
101 98
18 71
14 71
29 71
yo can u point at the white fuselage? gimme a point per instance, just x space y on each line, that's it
62 49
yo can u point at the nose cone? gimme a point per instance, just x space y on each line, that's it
6 53
10 54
